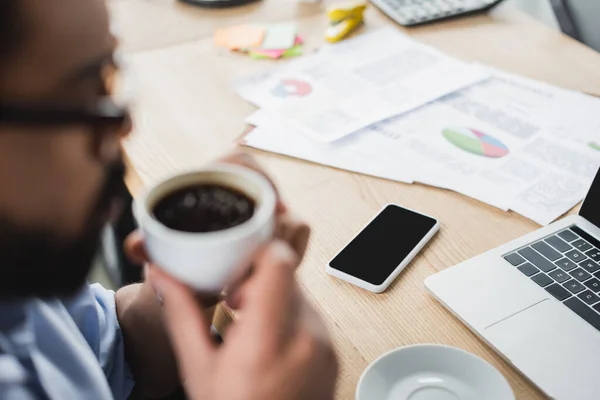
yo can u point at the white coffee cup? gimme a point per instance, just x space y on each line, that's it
209 261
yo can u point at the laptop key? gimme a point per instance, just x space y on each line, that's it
580 274
575 255
559 275
579 308
581 245
559 244
528 269
593 284
568 235
589 266
537 259
558 291
543 280
588 297
547 251
574 286
594 254
566 264
514 259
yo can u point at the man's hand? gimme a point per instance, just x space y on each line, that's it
289 227
278 350
147 347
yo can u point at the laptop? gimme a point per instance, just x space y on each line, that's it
536 301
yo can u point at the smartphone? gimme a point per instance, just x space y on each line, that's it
375 257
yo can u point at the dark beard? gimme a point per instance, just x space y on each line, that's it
41 264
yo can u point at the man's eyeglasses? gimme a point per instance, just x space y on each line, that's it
103 113
110 110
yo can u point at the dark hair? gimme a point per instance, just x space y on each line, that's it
9 27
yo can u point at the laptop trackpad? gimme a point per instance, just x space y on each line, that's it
552 346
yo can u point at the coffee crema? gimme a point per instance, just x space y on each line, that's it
204 208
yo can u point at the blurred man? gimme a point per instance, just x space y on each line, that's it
61 180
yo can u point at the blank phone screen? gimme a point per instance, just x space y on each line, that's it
379 248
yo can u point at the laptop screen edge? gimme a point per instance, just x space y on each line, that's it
590 209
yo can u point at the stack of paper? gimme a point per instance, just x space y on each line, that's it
270 41
511 142
353 84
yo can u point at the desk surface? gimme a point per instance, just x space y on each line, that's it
188 114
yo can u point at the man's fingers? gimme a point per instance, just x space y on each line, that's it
290 229
246 160
233 295
313 323
293 230
186 324
134 248
268 299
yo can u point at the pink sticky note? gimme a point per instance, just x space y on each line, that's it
269 53
276 53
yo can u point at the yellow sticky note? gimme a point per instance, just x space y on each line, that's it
240 37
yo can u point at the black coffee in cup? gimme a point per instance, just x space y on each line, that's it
204 208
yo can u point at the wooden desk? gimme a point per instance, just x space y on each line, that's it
188 114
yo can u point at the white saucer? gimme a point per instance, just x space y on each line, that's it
431 372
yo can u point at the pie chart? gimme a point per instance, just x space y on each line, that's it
291 87
475 142
594 145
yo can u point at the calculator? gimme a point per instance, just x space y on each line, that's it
416 12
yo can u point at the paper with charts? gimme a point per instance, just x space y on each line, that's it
351 85
514 143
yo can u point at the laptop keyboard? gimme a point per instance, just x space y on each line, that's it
566 264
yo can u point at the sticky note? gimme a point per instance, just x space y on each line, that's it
279 36
260 54
293 52
240 37
275 54
298 41
222 37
